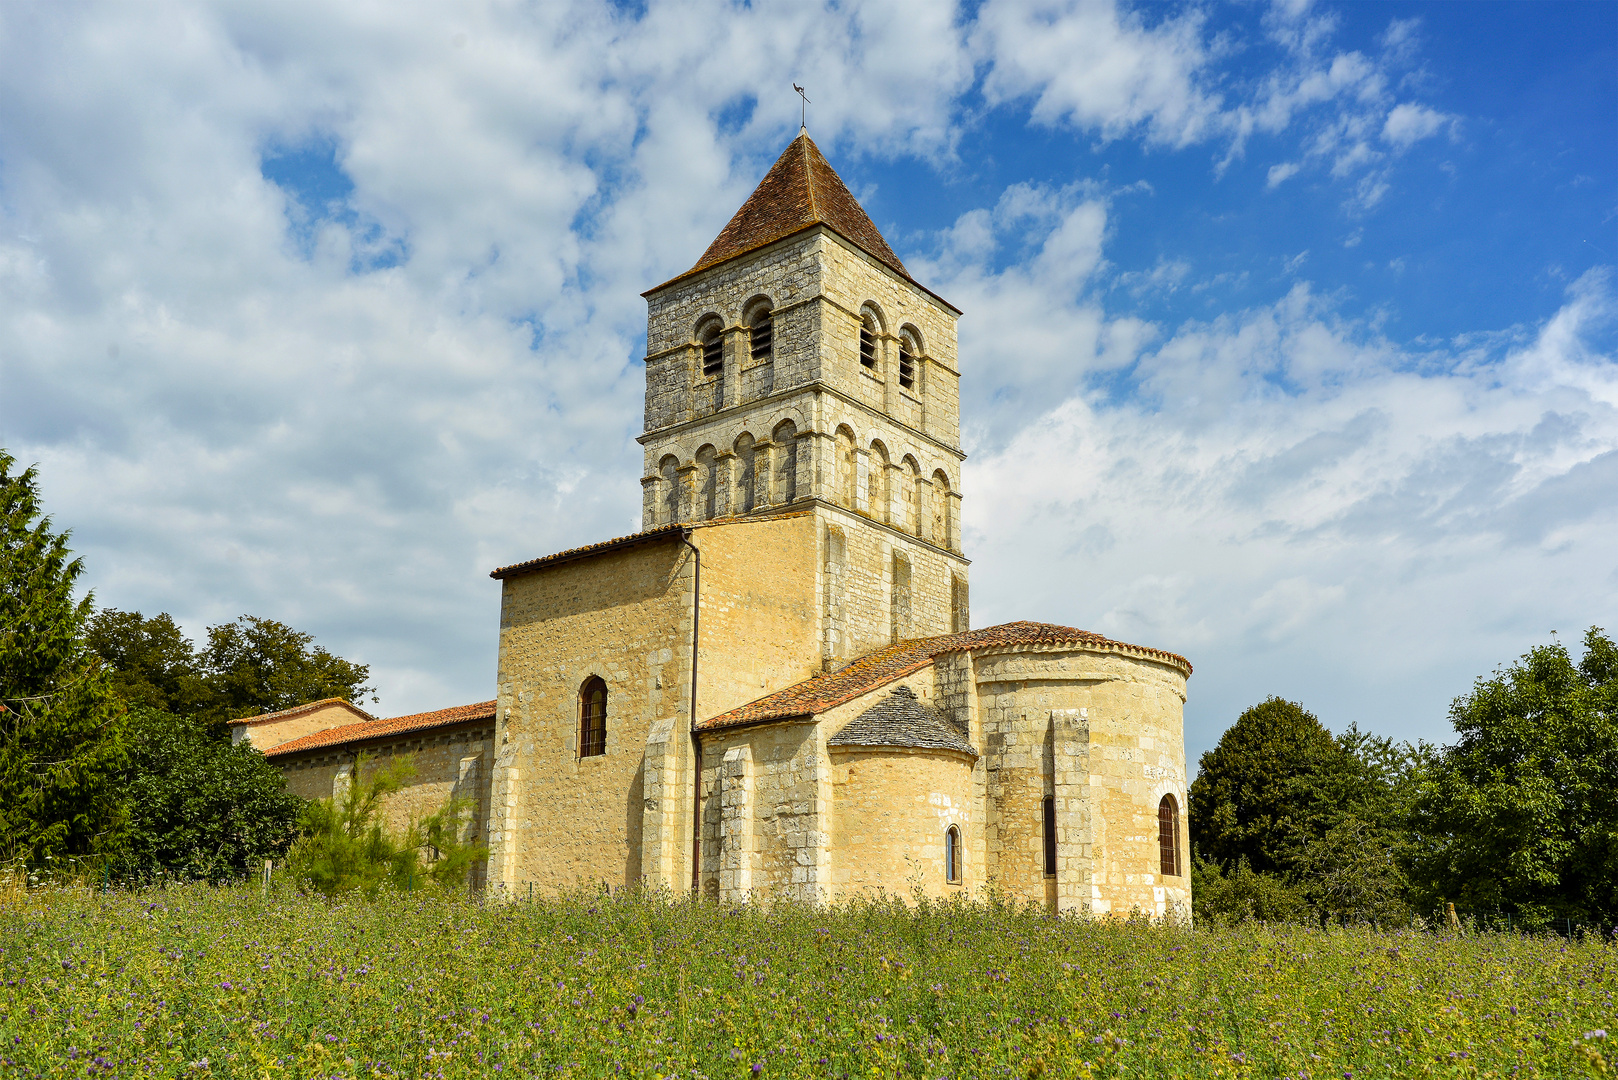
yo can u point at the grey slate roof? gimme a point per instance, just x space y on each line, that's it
901 720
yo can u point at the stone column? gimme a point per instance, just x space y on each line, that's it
952 511
735 352
736 825
764 460
1074 846
862 471
819 465
649 486
688 492
724 467
803 485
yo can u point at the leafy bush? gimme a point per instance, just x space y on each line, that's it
200 806
346 846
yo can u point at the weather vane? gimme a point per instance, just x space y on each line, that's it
804 122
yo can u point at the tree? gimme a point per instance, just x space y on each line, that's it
256 666
153 663
61 723
248 667
1277 781
1521 814
200 806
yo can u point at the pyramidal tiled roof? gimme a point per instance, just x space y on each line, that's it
900 719
870 672
801 189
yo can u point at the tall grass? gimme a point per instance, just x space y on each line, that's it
196 981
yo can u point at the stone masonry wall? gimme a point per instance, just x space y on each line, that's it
1104 732
893 806
560 819
862 600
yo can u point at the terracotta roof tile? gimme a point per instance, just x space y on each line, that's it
376 729
299 710
824 692
800 190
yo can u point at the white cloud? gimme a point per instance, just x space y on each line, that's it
1304 508
1281 173
1099 67
1409 123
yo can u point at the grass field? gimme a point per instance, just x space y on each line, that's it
194 982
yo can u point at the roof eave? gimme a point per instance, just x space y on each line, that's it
903 274
651 536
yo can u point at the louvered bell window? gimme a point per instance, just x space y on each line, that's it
713 355
763 338
867 347
907 368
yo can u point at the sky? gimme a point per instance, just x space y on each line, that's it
1289 340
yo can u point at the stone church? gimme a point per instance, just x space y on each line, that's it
773 689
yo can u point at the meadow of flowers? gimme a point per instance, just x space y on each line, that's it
198 981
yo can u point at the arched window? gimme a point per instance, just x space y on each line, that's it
761 336
592 718
868 332
908 351
952 855
1050 834
1168 837
713 350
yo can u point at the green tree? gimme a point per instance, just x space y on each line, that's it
253 666
200 806
1521 814
248 667
347 847
153 663
1276 781
61 723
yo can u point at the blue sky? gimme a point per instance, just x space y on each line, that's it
1289 339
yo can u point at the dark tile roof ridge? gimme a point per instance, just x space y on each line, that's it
376 729
296 710
823 692
903 720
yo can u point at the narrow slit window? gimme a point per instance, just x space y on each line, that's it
907 368
867 347
713 355
952 855
763 338
1050 834
1168 837
592 718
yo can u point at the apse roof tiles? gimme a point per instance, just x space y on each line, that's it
823 692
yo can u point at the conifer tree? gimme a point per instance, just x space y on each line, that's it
61 724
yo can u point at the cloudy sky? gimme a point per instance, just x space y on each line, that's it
1289 339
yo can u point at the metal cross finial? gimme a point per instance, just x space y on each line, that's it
804 122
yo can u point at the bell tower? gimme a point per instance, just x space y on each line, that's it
799 368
